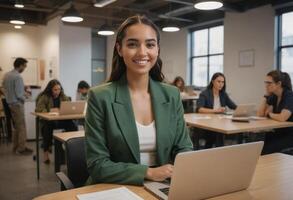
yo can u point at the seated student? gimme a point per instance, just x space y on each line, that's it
82 90
277 104
48 100
214 99
179 83
134 124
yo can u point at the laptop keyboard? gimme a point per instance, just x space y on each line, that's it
165 190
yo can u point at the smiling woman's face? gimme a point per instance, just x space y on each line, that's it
139 49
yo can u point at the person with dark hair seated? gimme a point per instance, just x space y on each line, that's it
277 104
214 100
49 100
82 90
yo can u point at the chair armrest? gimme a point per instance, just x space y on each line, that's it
65 182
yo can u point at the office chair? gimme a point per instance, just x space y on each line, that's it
76 165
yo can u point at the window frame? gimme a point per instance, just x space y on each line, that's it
208 55
280 47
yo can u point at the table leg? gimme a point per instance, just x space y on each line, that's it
58 155
37 146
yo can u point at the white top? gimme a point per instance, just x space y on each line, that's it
217 103
147 143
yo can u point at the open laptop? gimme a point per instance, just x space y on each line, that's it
70 108
209 173
243 112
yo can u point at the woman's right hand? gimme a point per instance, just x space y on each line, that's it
159 173
220 110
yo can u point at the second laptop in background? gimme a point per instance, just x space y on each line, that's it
71 108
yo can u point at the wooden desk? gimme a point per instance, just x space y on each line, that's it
48 117
220 123
60 138
64 136
273 180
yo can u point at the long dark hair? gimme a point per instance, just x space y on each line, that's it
282 77
216 75
118 65
179 78
48 90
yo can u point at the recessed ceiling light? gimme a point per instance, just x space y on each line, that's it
17 27
170 29
18 22
208 5
18 4
106 30
102 3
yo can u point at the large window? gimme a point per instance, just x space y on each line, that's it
207 49
285 43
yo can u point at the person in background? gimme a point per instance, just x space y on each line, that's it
179 83
8 117
49 100
15 96
214 99
82 90
134 124
277 104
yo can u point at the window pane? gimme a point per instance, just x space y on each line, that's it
199 71
216 65
287 29
216 40
287 60
200 42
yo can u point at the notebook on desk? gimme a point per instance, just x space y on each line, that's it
71 108
209 173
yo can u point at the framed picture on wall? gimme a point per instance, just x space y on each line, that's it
246 58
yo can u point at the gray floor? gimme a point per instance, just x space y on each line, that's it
18 177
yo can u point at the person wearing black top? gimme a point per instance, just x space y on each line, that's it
214 100
277 104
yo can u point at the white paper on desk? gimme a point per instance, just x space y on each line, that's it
121 193
201 117
226 117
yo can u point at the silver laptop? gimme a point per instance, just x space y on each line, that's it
70 108
244 110
209 173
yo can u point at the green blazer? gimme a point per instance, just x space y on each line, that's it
111 139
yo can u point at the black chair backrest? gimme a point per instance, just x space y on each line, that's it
76 162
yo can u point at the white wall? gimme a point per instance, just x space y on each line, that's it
75 57
174 54
49 49
253 29
17 43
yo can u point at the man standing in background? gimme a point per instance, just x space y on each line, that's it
15 96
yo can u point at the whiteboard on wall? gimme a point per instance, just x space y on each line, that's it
30 74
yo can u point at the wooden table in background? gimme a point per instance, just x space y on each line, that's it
49 117
225 126
222 123
273 180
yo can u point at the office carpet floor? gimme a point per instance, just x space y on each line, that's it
18 177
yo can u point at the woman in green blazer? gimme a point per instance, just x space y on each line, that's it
120 111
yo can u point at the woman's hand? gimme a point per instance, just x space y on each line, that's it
159 173
220 110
